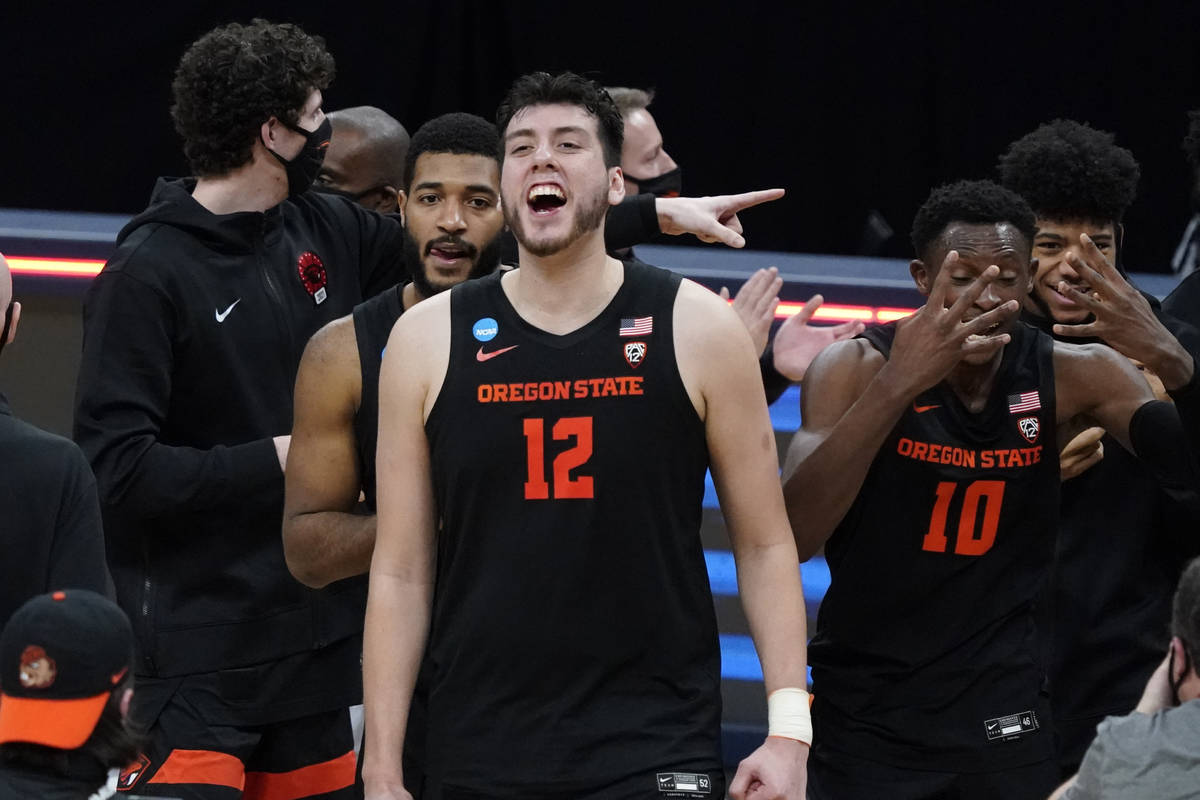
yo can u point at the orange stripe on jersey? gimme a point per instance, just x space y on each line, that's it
328 776
202 766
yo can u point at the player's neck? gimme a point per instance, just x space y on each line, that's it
562 292
973 383
254 186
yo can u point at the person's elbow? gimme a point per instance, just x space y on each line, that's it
298 554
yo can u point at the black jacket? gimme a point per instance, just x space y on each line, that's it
192 337
50 532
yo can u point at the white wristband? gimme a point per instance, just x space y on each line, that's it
788 715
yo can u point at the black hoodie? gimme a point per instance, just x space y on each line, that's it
192 337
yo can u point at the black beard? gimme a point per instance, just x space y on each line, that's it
587 219
485 263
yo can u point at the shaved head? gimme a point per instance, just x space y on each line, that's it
10 312
374 140
6 290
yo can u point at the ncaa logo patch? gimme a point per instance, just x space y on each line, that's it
635 353
485 329
1029 427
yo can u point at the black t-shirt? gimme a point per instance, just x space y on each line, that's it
925 653
50 531
573 639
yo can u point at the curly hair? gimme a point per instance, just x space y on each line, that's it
236 77
542 88
458 133
1070 171
971 202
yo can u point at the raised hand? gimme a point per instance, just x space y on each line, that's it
711 219
755 304
1122 317
931 342
797 343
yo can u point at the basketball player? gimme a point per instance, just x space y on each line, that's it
556 420
939 527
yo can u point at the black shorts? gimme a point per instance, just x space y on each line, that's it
192 759
839 776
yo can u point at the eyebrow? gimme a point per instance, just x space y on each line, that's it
556 132
479 188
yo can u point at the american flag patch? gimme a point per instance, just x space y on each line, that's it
1025 401
638 326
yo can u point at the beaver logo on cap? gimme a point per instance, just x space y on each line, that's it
38 670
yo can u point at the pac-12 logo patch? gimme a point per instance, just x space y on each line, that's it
133 773
485 329
635 353
1029 427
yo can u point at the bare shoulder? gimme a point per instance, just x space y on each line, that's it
418 351
1086 362
330 364
703 319
854 360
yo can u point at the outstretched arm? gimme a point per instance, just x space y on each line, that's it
716 361
400 598
711 219
323 539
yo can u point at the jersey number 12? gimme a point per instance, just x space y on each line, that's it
565 487
989 495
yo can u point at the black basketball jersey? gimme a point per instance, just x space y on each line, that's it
925 653
373 321
573 639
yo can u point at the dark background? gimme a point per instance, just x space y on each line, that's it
850 106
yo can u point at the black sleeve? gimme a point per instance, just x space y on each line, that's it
775 383
382 246
634 221
77 551
1187 398
1157 437
122 398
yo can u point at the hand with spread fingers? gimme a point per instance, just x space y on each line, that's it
1122 317
931 343
797 343
711 219
1083 452
755 304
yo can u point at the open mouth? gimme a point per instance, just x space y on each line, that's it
1064 299
986 333
545 198
449 250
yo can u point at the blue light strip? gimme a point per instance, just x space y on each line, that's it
739 659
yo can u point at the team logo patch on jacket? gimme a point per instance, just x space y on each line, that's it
312 275
133 773
635 353
1029 427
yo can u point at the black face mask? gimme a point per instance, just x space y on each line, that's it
7 324
669 184
302 170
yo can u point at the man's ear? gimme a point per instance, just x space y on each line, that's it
1180 664
401 202
12 327
268 132
1033 265
387 199
920 275
616 186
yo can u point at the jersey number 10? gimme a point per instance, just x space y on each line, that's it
565 487
989 494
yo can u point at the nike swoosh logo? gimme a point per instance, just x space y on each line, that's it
221 315
923 409
482 356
